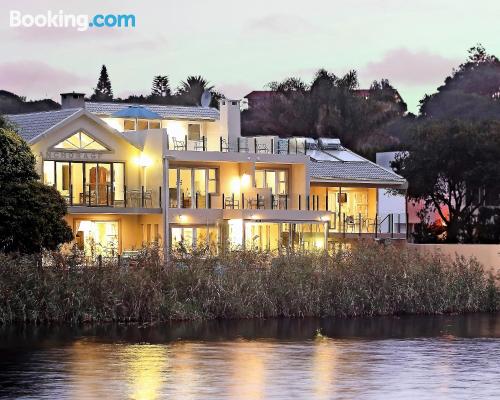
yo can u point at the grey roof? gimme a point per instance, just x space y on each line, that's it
167 112
352 171
30 126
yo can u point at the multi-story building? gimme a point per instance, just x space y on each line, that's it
132 175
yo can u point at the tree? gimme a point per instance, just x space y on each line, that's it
328 107
103 91
448 165
31 213
189 92
471 92
161 86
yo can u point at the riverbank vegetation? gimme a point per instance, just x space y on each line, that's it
369 280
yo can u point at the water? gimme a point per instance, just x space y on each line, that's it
447 357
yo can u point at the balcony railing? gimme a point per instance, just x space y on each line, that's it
106 195
258 145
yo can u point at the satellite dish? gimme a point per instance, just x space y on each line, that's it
206 98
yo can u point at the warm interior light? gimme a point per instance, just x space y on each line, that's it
143 160
325 218
235 185
245 181
85 226
236 232
182 218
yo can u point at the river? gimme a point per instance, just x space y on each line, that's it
423 357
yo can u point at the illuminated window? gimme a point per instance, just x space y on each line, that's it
129 125
142 124
194 131
80 141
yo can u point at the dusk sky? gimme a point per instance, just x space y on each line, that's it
240 46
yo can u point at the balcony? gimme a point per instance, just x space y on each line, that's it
255 145
271 206
102 197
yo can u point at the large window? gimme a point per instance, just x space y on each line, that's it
276 180
87 183
192 187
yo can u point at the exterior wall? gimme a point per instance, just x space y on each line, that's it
487 254
387 201
121 150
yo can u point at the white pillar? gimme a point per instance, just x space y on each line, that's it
165 201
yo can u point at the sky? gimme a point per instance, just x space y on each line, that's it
240 46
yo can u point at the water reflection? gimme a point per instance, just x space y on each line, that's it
383 358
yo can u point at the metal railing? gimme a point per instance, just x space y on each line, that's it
107 195
257 145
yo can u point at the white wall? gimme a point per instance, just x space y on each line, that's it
388 203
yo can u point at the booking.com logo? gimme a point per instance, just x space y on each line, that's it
80 22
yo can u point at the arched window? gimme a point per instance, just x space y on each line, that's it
80 141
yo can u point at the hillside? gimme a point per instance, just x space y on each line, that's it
11 103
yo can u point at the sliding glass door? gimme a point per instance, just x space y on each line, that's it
87 183
191 187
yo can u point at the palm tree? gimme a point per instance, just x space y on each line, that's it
189 92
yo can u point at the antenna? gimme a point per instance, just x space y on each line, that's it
206 98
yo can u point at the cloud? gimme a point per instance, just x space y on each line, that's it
413 68
281 23
34 79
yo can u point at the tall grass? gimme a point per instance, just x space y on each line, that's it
366 281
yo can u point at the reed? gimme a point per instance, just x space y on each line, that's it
368 280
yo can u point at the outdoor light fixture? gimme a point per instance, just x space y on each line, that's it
182 218
325 218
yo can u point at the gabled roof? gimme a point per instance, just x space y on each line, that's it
166 111
30 126
33 126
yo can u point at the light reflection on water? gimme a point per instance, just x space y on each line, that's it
386 358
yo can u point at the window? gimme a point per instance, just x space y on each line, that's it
194 131
80 141
276 180
282 183
142 124
129 125
49 177
192 187
212 181
87 183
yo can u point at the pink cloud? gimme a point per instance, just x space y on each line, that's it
410 67
37 79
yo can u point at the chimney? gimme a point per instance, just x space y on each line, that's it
72 100
230 119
